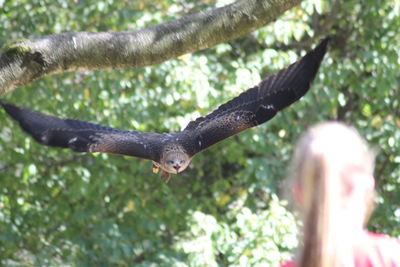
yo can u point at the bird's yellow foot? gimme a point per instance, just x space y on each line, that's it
155 169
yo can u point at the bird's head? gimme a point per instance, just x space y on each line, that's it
175 161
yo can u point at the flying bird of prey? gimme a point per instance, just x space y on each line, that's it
172 152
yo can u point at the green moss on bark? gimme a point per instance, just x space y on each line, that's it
17 48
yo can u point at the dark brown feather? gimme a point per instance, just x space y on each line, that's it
256 105
84 136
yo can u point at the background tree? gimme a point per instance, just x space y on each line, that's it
63 208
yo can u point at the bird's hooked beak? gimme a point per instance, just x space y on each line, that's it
177 167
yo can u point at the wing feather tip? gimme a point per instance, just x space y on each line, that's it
321 48
10 109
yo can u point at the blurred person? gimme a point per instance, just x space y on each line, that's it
333 184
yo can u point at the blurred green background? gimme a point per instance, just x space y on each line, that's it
59 208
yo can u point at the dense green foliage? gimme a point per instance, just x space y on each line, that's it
59 207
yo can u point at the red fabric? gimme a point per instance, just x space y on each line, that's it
288 264
379 251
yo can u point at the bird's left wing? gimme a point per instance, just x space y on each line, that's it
82 136
256 105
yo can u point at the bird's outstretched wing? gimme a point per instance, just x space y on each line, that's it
256 105
83 136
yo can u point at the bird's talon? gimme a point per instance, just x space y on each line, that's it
155 169
165 176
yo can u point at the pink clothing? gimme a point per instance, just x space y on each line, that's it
378 251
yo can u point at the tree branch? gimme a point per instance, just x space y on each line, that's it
27 60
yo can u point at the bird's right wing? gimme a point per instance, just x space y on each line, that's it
82 136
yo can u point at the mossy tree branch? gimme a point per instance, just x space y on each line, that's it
26 60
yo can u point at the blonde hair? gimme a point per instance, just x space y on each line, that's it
325 168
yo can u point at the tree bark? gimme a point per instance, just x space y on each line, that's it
26 60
